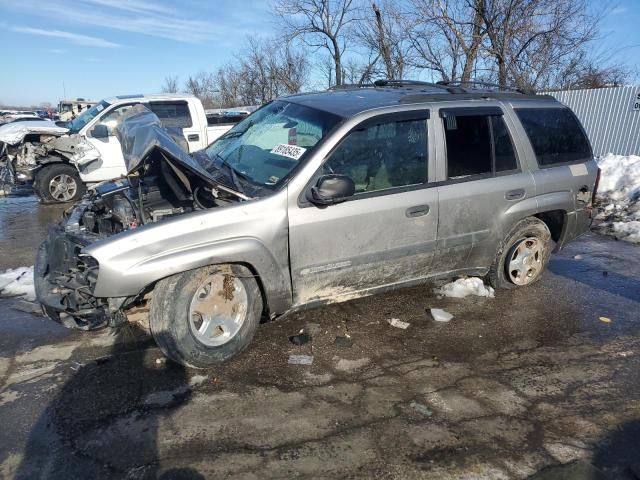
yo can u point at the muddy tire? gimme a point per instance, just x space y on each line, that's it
523 255
203 317
58 183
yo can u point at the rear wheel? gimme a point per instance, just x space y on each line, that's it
58 183
523 256
205 316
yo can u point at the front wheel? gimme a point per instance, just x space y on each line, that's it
523 255
58 183
203 317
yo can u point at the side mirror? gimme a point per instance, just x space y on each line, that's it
100 131
331 189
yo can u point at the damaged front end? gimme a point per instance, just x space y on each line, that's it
23 145
163 182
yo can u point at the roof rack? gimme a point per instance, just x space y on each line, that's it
477 83
404 83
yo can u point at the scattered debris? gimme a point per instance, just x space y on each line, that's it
343 342
300 359
347 365
420 408
440 315
197 380
605 319
395 322
300 339
463 287
28 307
312 328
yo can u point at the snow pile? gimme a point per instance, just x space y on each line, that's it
619 197
18 282
463 287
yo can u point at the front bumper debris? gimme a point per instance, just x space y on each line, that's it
64 281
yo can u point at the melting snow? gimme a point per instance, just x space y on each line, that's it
619 196
18 282
463 287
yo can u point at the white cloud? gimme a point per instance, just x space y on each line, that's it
57 51
72 37
136 16
618 10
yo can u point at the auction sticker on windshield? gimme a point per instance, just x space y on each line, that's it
291 151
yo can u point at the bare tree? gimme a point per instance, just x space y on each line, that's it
170 85
203 86
446 36
530 40
322 24
384 33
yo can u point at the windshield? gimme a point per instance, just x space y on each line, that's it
265 147
81 120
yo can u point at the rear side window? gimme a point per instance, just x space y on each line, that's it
477 145
172 114
555 134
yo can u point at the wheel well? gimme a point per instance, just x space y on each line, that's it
555 220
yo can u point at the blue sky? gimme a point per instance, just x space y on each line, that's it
107 47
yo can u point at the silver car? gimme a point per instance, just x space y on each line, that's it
319 198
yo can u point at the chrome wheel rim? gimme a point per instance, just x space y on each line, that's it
218 309
525 261
63 187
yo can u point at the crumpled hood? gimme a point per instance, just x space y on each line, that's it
141 134
14 133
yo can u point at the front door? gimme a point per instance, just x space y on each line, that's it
383 235
111 162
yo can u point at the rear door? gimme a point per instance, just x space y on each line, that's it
175 114
386 232
481 182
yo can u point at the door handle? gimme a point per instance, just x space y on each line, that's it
417 211
516 194
194 137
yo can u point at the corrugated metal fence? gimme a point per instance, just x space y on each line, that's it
611 117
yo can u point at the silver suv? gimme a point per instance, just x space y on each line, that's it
319 198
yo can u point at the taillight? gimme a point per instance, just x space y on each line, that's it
595 188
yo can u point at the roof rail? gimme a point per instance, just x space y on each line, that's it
474 83
404 83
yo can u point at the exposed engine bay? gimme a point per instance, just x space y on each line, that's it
163 182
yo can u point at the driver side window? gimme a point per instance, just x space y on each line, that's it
382 155
113 118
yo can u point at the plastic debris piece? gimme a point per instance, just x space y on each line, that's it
27 307
420 408
577 257
343 342
605 319
440 315
300 359
313 328
300 339
395 322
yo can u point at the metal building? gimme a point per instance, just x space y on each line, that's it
611 117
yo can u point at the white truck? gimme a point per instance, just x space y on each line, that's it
60 167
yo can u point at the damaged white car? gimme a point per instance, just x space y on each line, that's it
62 159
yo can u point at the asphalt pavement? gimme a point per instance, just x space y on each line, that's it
531 383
